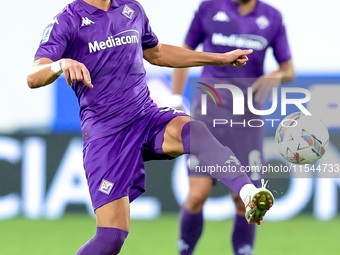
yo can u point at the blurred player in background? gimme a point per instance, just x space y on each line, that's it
99 45
224 25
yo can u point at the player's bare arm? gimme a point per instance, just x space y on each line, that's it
178 57
43 72
180 76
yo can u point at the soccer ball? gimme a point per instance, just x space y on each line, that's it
301 139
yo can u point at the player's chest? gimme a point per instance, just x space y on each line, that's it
223 28
109 32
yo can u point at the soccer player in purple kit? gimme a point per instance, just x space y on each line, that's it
99 45
221 26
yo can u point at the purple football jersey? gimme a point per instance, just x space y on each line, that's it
219 26
110 44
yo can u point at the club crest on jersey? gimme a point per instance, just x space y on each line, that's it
106 187
128 12
262 22
46 34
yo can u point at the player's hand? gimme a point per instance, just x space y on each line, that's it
237 58
264 85
75 71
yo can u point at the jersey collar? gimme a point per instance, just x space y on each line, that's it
91 9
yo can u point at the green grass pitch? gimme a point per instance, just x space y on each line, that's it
301 235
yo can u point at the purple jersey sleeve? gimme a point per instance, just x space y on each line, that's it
56 37
280 45
149 39
196 34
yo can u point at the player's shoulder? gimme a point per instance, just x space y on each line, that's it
69 14
207 4
269 10
131 4
74 14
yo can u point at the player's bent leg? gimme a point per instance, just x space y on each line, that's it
112 229
210 153
193 137
172 141
115 214
191 217
243 235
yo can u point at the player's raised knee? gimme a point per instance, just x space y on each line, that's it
107 241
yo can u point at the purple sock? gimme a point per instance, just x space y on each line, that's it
198 140
243 236
191 226
107 241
